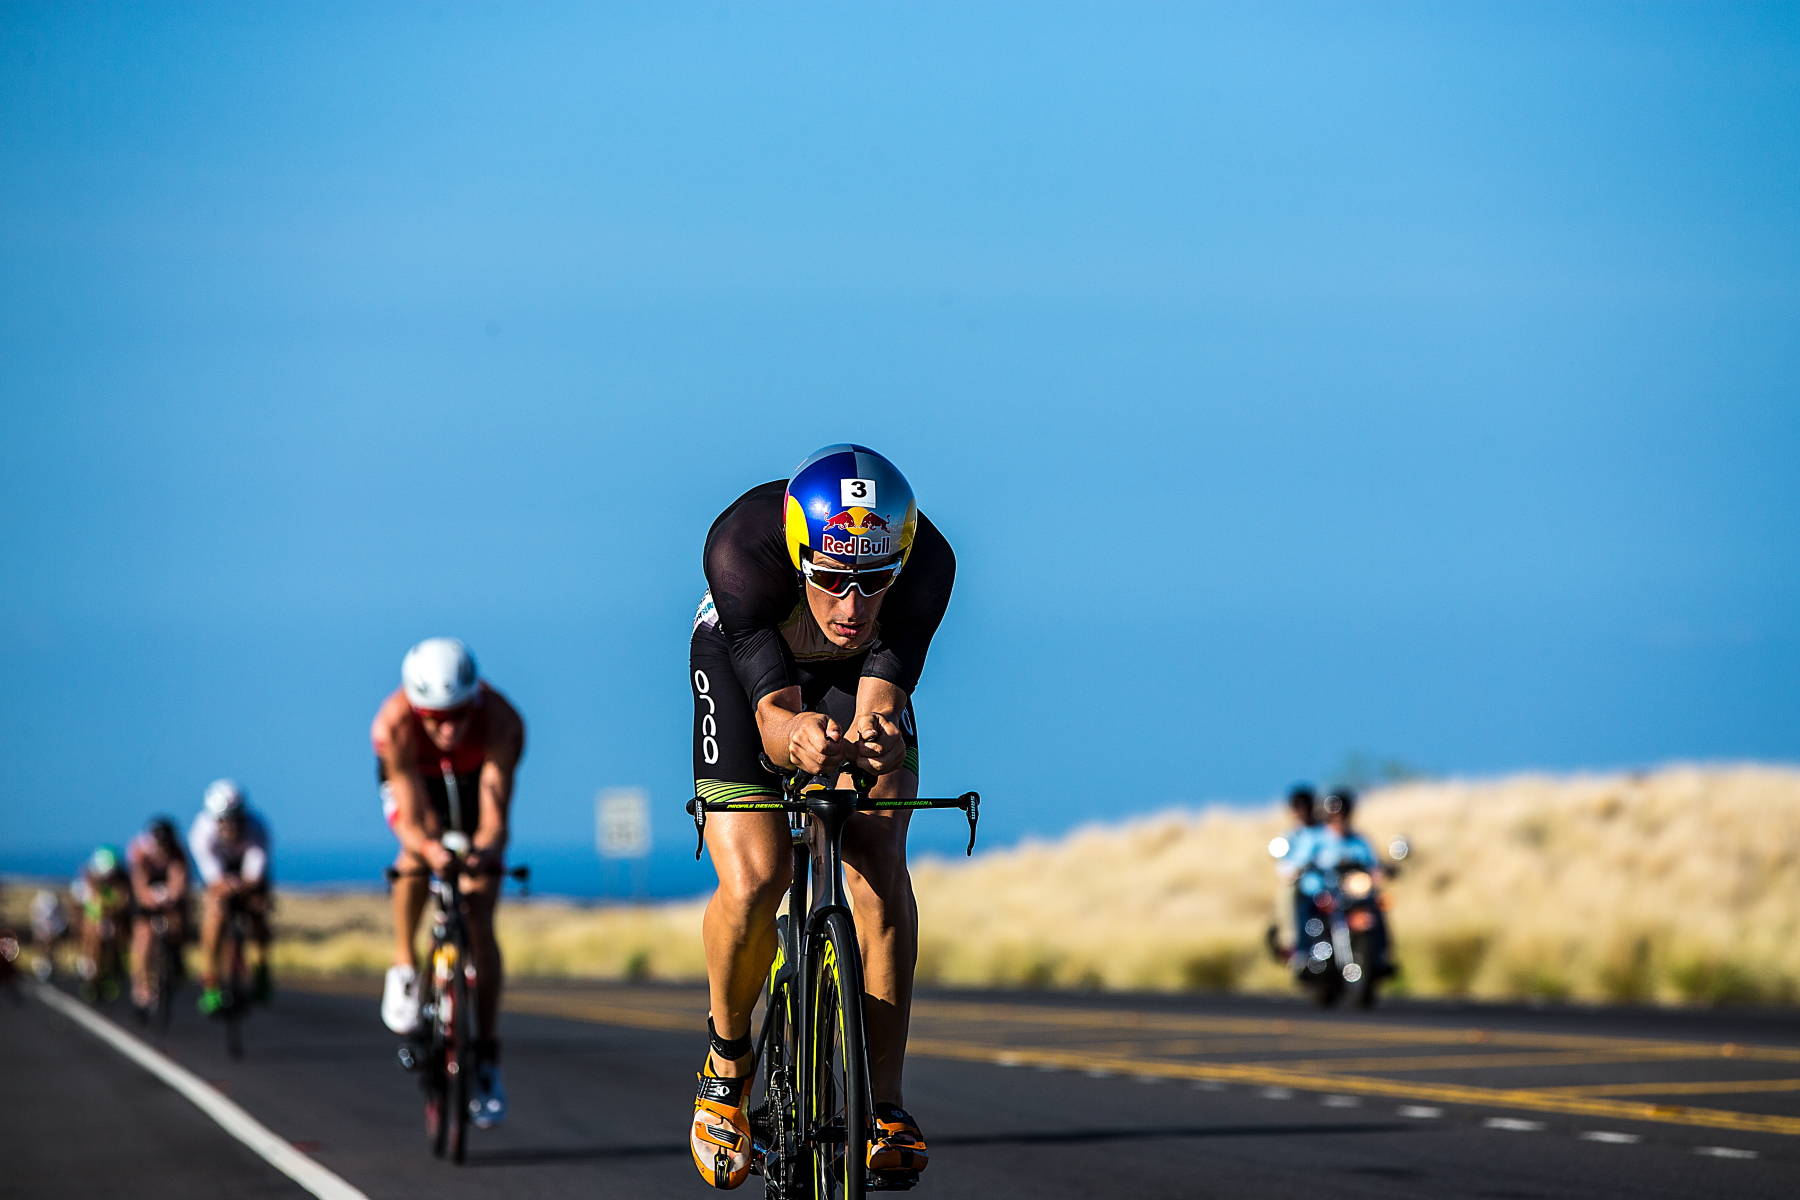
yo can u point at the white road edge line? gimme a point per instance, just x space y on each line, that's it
1724 1152
275 1151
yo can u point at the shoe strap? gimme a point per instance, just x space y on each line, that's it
722 1091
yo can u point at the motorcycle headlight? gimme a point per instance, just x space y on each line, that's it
1355 884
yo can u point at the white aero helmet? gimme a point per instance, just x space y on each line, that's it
439 673
224 797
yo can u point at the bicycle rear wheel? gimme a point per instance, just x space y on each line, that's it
835 1103
775 1122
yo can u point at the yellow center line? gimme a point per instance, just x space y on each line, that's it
1525 1098
1460 1062
1127 1022
1667 1088
1164 1047
1533 1099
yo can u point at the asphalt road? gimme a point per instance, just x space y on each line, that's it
1021 1095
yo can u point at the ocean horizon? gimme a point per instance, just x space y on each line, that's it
575 872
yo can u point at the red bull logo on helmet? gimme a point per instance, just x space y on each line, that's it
856 532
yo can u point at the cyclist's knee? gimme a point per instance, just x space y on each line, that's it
755 888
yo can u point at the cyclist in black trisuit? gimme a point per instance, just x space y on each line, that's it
824 593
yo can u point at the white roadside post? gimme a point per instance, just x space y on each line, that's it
622 830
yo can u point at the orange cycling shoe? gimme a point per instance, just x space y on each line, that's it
720 1138
721 1135
895 1144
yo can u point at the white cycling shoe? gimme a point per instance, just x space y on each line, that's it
487 1108
400 1000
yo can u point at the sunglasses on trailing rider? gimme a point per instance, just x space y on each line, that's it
444 714
837 581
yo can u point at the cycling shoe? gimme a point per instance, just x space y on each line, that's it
895 1144
720 1138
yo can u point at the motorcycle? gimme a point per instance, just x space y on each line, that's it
1344 944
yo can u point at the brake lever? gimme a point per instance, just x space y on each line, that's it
972 807
697 807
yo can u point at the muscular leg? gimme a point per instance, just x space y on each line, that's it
212 929
140 962
750 852
408 902
260 934
482 898
887 926
90 946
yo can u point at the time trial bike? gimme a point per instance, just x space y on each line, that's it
811 1123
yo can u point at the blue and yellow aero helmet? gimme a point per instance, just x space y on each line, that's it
851 503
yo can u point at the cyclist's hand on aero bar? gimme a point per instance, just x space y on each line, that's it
877 744
815 742
436 857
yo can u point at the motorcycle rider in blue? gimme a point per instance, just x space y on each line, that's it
1302 802
1331 846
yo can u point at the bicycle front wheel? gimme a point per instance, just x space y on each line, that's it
434 1074
835 1107
460 1060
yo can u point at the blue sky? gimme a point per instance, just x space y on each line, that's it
1414 380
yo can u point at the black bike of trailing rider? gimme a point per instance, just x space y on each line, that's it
443 1047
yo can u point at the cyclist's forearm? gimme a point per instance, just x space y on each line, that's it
876 696
490 838
412 836
775 717
496 801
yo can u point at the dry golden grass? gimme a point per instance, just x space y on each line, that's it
1680 885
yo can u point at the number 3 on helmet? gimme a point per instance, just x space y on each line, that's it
853 504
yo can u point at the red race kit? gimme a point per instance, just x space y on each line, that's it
496 733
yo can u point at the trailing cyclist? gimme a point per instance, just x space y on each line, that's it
230 845
159 883
447 747
103 891
824 593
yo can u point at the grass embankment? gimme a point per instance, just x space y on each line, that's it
1680 885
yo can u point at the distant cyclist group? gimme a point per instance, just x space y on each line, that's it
124 900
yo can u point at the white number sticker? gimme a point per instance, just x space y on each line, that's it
858 492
